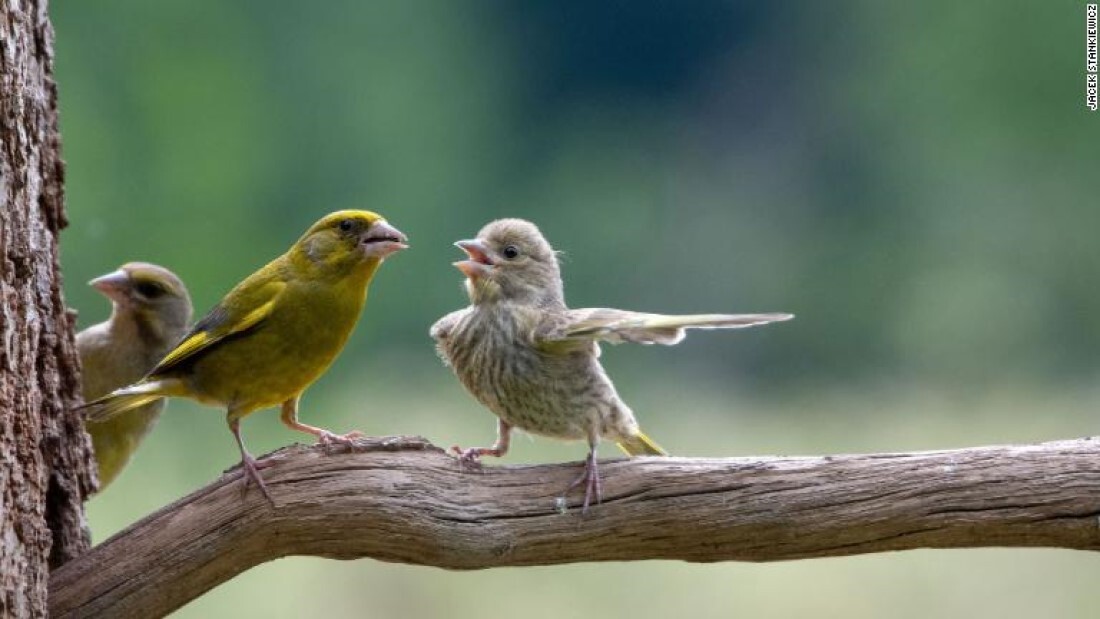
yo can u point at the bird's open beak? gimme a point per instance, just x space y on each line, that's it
114 285
382 239
479 264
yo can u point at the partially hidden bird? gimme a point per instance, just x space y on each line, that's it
150 312
534 362
274 333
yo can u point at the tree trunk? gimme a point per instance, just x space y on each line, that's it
45 457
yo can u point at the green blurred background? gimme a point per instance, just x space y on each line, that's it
917 182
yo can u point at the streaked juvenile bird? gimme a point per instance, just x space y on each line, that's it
150 312
532 361
274 333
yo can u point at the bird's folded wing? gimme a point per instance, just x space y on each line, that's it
224 320
441 330
617 326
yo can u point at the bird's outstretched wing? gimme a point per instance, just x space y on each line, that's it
618 326
244 308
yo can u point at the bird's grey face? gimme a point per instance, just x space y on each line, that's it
149 290
511 261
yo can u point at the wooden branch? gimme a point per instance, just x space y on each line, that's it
405 501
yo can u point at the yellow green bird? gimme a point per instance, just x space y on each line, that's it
274 333
532 361
150 311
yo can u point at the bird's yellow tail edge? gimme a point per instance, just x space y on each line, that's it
109 406
641 445
128 398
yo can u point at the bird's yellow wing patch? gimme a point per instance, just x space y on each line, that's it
221 323
186 348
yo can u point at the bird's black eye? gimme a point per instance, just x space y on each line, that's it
149 290
510 252
345 225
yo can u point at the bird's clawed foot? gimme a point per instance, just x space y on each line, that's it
471 458
324 437
250 474
591 480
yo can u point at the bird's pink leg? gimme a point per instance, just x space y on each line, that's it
473 455
324 437
250 467
590 478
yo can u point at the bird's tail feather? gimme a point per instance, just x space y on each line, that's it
641 445
128 398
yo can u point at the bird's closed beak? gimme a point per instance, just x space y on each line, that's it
479 263
382 239
114 285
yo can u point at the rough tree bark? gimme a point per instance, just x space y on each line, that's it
44 453
405 501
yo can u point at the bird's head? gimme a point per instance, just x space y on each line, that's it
344 240
151 293
511 261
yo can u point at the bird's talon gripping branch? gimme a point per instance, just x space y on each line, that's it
324 437
591 480
469 458
250 472
331 438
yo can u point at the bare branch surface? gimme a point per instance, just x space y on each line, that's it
404 500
